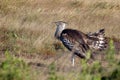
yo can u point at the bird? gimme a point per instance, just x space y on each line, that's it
78 42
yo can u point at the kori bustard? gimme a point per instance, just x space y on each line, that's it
78 42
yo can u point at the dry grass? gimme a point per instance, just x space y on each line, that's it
33 18
26 26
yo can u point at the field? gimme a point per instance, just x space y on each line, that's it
28 49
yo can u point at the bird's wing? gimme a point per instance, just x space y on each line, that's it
73 40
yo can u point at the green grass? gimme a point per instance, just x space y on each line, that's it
52 72
14 68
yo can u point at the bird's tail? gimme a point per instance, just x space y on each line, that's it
97 39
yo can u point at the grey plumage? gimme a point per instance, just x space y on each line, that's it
78 42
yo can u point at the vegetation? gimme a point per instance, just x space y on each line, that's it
28 49
13 69
52 72
96 71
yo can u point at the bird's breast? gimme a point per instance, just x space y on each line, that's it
67 43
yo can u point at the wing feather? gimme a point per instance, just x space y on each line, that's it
73 40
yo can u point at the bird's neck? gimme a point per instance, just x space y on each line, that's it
59 30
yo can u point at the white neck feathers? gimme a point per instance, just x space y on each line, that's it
59 29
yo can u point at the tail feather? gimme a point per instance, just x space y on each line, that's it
97 34
97 39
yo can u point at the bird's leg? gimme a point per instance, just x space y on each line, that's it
73 59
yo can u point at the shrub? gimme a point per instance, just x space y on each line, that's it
13 69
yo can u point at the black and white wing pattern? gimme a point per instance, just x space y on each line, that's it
97 39
73 40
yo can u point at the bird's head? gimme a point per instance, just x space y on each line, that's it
60 24
60 27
